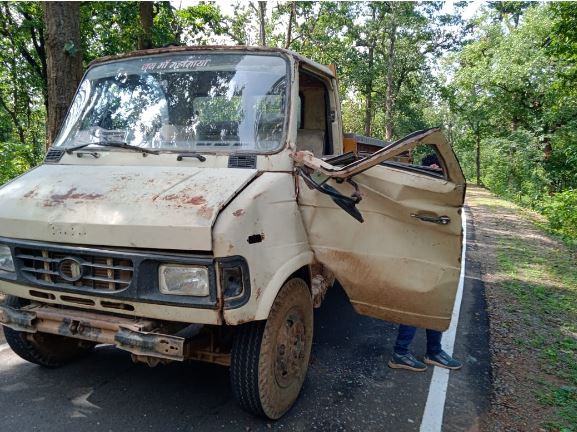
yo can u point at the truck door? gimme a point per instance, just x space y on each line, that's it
389 226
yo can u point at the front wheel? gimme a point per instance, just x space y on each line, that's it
44 349
270 358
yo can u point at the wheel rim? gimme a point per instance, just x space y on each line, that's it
290 349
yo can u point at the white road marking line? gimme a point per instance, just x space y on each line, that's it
4 347
434 408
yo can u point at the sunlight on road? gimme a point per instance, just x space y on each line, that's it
82 406
8 360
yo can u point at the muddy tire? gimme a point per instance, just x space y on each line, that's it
47 350
270 358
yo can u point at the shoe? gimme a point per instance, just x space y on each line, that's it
443 360
407 361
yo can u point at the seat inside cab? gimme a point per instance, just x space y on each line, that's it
313 133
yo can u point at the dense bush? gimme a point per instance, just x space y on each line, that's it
561 211
513 167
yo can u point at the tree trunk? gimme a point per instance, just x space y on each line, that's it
63 60
289 30
547 150
369 83
261 18
478 156
369 95
390 92
146 21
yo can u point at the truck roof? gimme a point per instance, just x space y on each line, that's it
170 49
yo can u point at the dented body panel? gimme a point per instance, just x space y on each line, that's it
267 207
396 265
124 206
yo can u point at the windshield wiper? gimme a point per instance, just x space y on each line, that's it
190 155
118 144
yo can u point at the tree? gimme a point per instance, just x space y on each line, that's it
393 46
23 72
197 24
513 106
146 12
64 60
261 12
562 43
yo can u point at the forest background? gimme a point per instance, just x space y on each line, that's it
502 84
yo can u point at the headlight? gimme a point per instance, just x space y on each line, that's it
6 262
183 280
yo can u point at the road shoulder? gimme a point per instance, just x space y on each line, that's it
530 294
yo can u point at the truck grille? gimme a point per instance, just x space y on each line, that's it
94 272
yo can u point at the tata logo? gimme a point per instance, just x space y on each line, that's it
70 269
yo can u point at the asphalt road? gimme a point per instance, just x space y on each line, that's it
349 386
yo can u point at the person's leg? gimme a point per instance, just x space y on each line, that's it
435 354
405 336
434 342
402 357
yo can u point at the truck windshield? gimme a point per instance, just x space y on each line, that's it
182 102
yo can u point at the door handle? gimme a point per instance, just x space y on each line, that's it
440 220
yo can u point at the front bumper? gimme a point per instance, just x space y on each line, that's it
136 336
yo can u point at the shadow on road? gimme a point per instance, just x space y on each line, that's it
348 387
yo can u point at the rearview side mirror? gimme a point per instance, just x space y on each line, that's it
319 182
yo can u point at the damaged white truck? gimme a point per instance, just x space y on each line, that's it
197 204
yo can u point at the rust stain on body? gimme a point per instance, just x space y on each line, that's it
71 195
238 212
180 198
32 193
205 212
195 200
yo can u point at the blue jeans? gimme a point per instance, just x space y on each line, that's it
406 335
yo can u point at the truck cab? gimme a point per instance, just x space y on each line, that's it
197 204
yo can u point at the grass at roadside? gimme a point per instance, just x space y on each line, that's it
540 273
545 286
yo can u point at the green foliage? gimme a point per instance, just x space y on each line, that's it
507 89
108 28
114 27
197 24
513 167
561 211
15 159
563 42
22 88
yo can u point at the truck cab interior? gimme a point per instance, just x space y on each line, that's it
314 133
